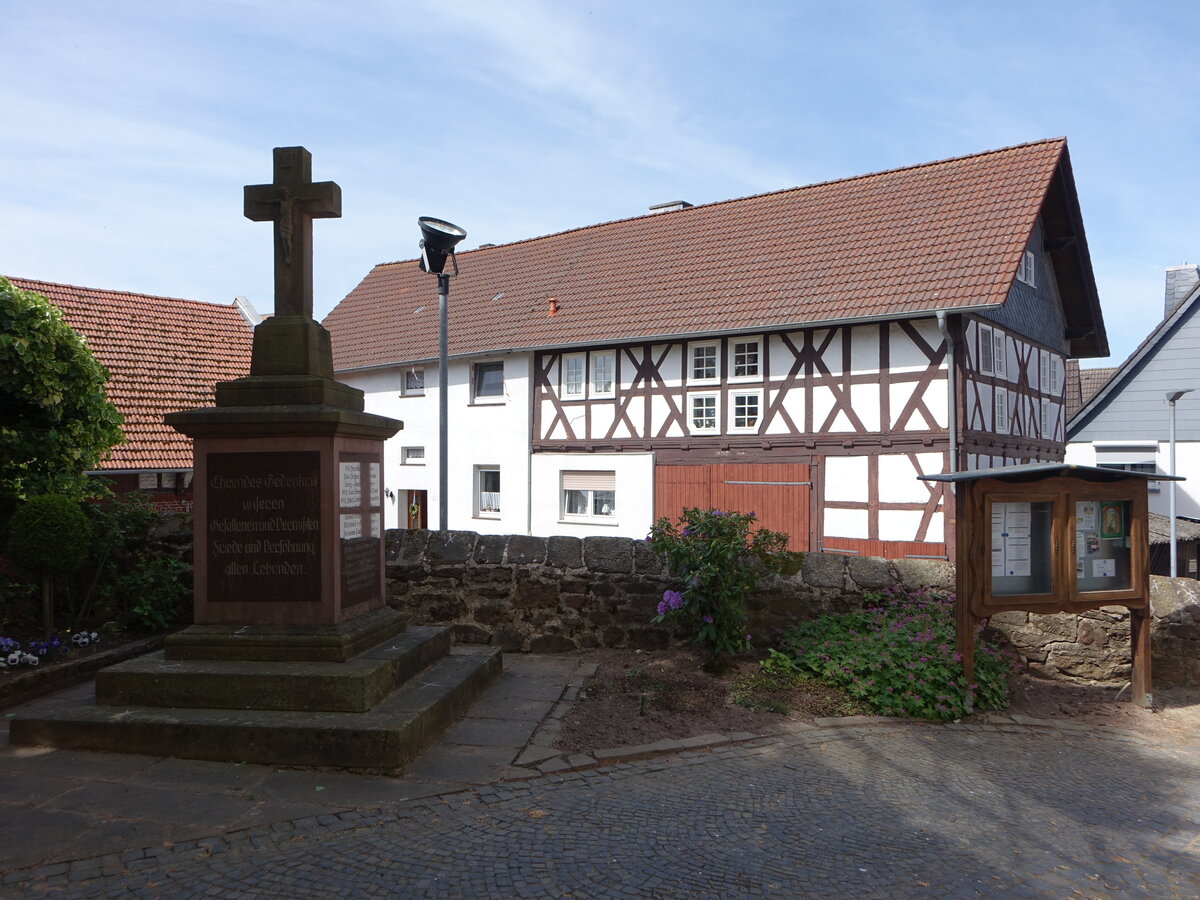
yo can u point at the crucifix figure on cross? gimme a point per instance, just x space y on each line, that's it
292 201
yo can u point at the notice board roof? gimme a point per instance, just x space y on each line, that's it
1038 471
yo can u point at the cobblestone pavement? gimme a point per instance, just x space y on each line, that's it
902 810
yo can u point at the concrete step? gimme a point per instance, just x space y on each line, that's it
355 685
388 736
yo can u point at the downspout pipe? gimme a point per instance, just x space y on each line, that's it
951 390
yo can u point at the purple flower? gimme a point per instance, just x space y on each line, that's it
673 599
662 608
708 619
753 514
717 513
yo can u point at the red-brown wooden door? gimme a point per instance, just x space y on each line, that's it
777 493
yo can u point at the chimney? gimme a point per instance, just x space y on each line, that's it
1181 281
669 206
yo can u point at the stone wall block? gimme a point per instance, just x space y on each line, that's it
825 570
534 593
870 573
646 561
489 549
494 614
409 545
608 554
510 640
564 552
524 550
919 573
649 638
551 643
612 636
450 546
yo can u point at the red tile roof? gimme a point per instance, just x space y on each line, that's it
944 235
162 354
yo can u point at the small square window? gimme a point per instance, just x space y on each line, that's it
487 381
412 456
414 383
745 412
487 492
745 359
589 495
704 362
603 373
703 413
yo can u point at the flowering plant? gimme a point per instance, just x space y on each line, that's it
898 656
714 553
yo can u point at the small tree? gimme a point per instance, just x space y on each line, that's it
716 555
50 534
55 421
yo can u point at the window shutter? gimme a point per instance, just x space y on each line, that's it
999 363
1001 426
1043 371
1055 376
589 481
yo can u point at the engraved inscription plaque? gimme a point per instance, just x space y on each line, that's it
264 527
361 544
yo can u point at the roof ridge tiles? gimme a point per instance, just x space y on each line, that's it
113 292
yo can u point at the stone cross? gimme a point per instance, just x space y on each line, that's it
292 201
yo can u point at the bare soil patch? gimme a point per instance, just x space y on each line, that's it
638 697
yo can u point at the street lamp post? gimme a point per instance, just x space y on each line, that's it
1172 396
438 239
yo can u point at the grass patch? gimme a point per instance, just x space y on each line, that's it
783 692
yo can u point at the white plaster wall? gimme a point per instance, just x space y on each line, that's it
846 480
848 523
491 434
634 474
1187 464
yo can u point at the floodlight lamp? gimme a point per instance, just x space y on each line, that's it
438 238
1172 396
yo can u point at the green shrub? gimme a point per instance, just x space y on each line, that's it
150 596
719 560
898 657
48 536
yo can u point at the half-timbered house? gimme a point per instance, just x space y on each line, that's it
804 354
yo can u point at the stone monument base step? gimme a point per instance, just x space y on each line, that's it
356 685
388 736
286 643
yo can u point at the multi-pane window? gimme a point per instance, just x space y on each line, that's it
991 351
412 456
574 376
745 359
1001 426
1043 371
1026 270
704 362
487 493
487 380
414 383
703 409
603 373
745 411
589 494
1045 425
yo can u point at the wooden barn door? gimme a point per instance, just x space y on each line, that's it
777 493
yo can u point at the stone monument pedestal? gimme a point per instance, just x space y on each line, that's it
295 657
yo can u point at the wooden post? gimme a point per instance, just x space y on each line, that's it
964 643
1139 634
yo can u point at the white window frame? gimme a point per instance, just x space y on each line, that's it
1000 423
568 382
734 396
756 374
482 510
987 350
405 460
1027 269
487 399
1055 376
1044 371
716 416
999 354
589 483
693 378
407 390
1044 424
593 386
1129 456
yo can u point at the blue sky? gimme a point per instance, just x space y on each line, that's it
132 126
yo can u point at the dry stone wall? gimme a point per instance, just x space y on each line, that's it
548 595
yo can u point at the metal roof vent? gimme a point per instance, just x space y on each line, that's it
669 206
